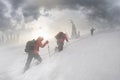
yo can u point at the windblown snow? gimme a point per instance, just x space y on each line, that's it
94 57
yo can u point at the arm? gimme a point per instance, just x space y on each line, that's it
66 37
44 44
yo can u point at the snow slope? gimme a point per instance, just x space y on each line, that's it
92 58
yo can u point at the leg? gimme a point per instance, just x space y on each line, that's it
56 49
60 46
37 56
91 32
29 59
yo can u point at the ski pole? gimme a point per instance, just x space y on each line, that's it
49 50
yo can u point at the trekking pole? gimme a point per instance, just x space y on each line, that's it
49 50
66 44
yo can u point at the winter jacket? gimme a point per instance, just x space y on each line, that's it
38 44
62 38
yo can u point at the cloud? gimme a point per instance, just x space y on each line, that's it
4 21
100 8
23 11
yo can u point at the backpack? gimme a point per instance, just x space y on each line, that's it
59 35
30 46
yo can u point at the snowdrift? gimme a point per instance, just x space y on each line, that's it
92 58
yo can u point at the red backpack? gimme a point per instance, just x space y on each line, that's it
59 35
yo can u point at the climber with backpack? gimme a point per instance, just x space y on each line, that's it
32 49
60 37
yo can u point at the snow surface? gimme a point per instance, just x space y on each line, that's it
88 58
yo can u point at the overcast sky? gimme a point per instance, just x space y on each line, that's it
54 15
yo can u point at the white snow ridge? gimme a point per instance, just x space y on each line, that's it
95 57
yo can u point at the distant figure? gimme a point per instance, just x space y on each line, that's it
3 39
92 31
74 32
78 35
32 49
60 37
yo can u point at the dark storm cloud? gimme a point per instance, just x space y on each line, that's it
101 9
30 8
31 11
4 21
16 3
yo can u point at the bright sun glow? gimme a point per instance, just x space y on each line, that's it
44 33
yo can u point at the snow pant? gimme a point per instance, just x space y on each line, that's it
92 33
60 46
29 59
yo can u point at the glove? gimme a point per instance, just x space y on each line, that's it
47 42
